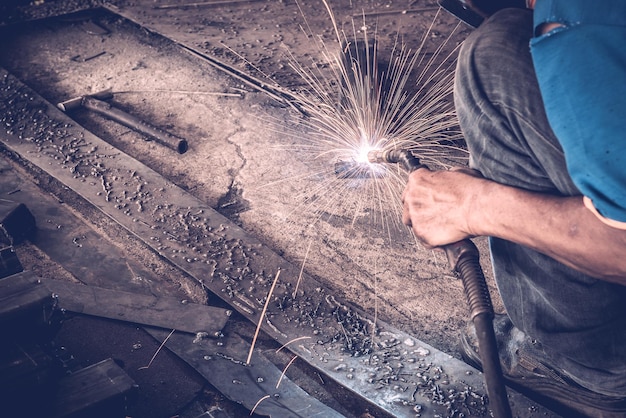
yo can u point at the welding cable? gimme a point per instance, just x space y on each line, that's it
463 257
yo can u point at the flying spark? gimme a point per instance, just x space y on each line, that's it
362 101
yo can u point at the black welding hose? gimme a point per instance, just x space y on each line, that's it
463 257
492 370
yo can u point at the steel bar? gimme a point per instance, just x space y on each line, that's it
277 93
93 103
395 12
203 3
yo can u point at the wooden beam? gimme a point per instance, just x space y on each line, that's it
163 312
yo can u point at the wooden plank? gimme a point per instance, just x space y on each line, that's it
27 373
23 367
25 304
9 263
163 312
16 222
100 390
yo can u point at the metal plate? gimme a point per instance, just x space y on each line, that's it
164 312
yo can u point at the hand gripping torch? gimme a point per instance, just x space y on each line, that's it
463 257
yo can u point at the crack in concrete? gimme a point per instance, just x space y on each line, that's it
232 204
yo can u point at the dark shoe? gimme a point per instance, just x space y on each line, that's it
525 369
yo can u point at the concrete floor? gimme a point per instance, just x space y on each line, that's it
252 156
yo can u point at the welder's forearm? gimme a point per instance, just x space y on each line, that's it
559 227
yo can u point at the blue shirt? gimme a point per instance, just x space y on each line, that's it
581 69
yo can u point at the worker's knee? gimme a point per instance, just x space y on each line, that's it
490 52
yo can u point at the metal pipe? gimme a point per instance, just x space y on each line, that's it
94 103
463 257
162 137
76 102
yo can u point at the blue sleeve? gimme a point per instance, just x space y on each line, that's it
581 69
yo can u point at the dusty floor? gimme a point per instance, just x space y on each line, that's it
247 157
252 157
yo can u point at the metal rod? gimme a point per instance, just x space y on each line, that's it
203 3
92 102
162 137
397 11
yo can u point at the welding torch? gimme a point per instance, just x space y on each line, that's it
463 257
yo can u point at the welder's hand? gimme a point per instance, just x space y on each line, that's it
437 204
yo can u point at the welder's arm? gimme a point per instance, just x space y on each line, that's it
446 206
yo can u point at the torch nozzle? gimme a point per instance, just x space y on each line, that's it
392 156
377 157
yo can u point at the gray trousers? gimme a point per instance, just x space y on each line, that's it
579 321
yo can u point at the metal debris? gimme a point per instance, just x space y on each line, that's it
204 244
